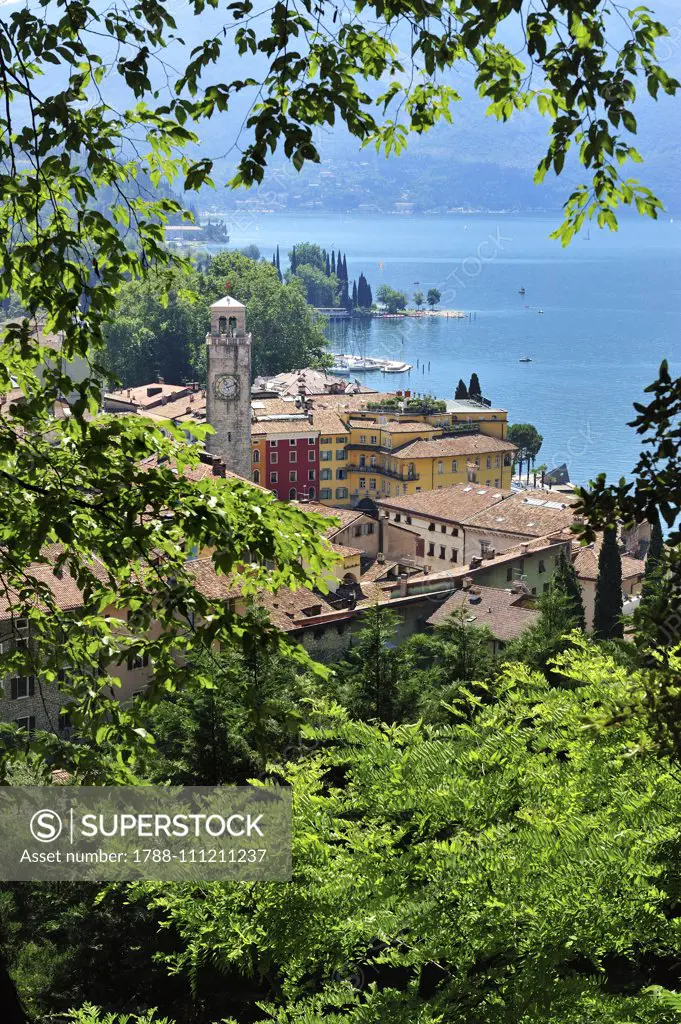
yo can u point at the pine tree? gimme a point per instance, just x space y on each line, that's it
608 607
333 262
474 387
461 390
566 582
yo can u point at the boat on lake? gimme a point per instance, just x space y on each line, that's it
525 359
344 365
521 291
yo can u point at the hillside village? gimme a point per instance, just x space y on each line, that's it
423 518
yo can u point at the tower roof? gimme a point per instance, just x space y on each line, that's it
227 302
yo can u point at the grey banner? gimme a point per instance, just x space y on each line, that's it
125 833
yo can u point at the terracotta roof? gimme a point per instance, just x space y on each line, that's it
203 471
298 425
193 407
586 564
161 394
468 444
63 587
310 381
408 427
345 549
529 513
347 516
506 614
327 421
455 504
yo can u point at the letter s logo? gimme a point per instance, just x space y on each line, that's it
46 826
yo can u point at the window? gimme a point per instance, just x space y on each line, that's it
256 476
341 474
497 461
310 440
431 527
311 492
325 474
22 686
362 483
496 482
407 519
325 440
440 467
274 458
488 483
373 439
455 555
398 517
325 494
431 549
362 438
27 723
293 476
273 444
293 457
372 460
339 440
542 567
372 483
341 454
292 442
454 467
443 551
64 721
534 591
310 475
509 574
292 493
455 531
489 461
311 456
325 456
362 462
341 492
256 455
443 529
274 478
137 661
545 587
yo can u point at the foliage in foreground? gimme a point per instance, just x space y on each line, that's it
520 864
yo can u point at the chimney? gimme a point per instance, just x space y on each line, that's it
382 518
404 580
467 582
219 468
160 380
380 558
310 417
523 548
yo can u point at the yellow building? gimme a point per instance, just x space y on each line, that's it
425 464
334 435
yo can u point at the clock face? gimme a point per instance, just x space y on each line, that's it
226 386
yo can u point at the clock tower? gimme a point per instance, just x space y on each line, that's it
228 393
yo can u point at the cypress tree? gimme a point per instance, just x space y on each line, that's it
354 294
294 261
566 582
333 262
370 298
474 387
328 265
608 607
344 297
461 390
655 567
278 262
345 267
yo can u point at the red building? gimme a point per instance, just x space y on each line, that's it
291 453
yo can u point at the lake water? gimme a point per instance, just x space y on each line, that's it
611 312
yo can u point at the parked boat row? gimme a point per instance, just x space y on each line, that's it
344 365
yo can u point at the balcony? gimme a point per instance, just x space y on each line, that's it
381 471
